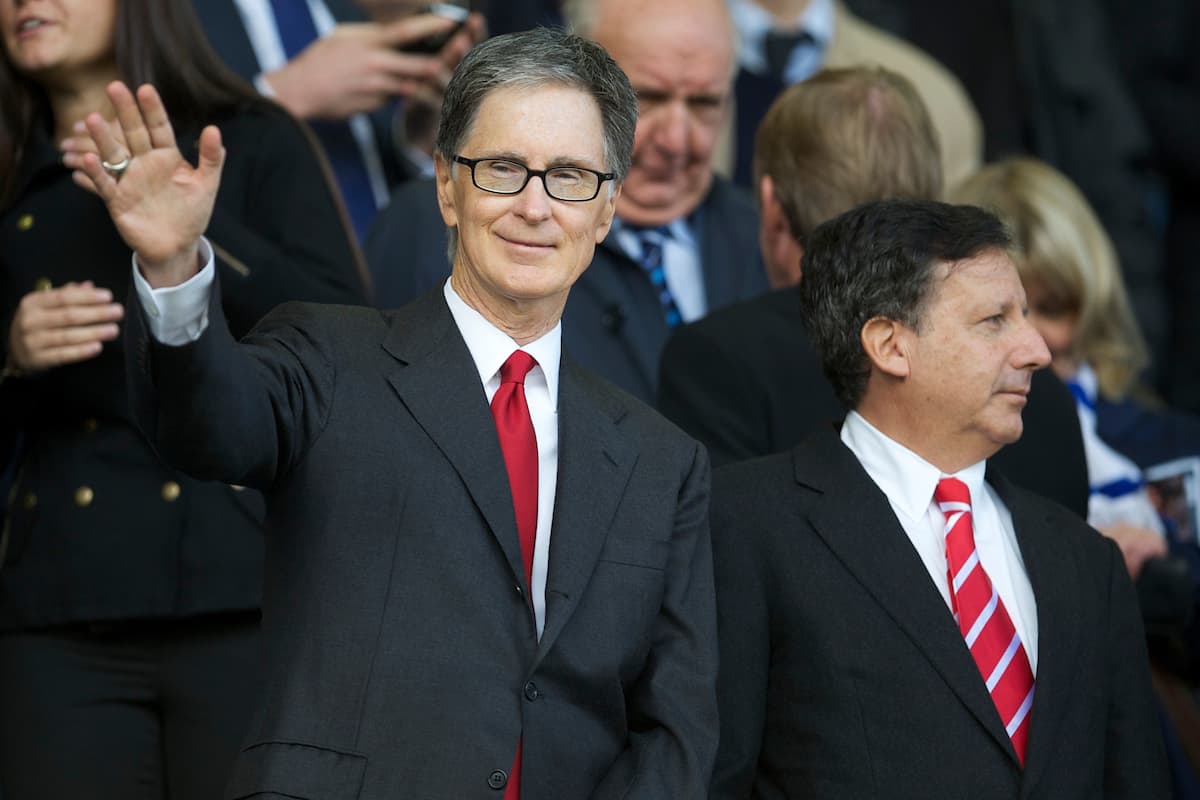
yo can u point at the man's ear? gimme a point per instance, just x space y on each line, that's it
780 250
885 341
444 180
606 216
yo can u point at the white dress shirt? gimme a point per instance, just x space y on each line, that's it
490 348
178 315
908 481
259 22
753 22
681 266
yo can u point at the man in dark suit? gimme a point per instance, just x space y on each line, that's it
460 602
745 380
684 241
896 620
329 63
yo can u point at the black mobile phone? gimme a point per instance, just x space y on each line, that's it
433 44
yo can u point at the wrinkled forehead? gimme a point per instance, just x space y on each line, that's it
554 120
977 277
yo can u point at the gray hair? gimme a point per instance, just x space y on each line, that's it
532 59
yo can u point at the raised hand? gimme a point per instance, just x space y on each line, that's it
62 326
159 202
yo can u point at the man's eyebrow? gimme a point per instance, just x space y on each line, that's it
553 161
692 98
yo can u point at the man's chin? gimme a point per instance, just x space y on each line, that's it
657 203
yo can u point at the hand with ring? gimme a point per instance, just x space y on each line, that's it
158 201
80 143
118 169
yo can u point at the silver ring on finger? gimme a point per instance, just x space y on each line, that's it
116 169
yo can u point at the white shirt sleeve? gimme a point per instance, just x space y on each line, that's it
177 315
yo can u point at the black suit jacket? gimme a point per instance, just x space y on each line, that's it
746 382
843 674
402 655
613 322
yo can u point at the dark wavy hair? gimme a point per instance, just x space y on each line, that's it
155 41
880 260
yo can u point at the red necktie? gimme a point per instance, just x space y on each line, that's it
519 445
982 618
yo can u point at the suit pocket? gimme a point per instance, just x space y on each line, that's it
648 553
296 770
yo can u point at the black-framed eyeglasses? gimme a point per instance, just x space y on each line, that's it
501 176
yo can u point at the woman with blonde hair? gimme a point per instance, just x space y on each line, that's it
1078 302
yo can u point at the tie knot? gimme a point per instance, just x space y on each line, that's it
516 367
651 238
952 494
778 47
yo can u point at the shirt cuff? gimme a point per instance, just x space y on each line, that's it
178 315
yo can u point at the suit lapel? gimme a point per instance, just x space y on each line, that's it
1056 587
436 380
595 461
611 289
862 531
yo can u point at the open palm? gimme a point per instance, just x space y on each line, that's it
160 204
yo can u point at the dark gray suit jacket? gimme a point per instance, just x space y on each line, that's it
613 323
402 657
843 674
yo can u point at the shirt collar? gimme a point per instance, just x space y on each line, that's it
907 479
626 235
753 22
490 347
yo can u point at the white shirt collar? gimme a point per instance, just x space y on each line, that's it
907 479
490 347
753 22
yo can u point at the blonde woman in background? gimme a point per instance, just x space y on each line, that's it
1078 302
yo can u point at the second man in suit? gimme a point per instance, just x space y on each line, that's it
895 619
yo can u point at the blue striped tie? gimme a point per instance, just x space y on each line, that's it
296 32
652 241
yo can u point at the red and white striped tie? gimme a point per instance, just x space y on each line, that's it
982 618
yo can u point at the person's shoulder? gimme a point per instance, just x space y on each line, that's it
328 321
1050 516
580 386
745 318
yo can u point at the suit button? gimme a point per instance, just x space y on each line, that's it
90 425
84 496
497 779
520 591
43 285
29 501
171 491
25 222
531 691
